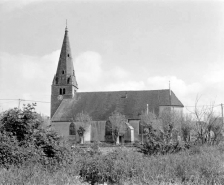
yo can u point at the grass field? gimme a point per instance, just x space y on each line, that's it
199 165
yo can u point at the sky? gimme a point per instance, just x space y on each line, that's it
116 45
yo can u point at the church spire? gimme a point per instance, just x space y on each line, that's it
64 84
65 68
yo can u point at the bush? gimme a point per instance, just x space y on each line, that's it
22 139
123 166
156 144
11 153
113 167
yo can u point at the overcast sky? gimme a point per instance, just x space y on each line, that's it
116 45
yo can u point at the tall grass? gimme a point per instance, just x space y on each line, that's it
199 165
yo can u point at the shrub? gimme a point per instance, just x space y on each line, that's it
155 144
113 167
11 153
123 166
23 139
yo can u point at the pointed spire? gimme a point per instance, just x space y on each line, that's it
65 68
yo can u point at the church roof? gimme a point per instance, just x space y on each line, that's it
100 105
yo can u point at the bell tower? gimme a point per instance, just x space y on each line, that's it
64 84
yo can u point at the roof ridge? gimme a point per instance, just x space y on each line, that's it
125 91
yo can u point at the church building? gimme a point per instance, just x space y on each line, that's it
67 102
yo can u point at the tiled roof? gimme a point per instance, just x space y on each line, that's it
99 105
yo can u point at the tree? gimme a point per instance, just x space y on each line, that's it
162 133
147 118
22 138
84 120
207 125
146 121
171 124
20 123
186 127
118 127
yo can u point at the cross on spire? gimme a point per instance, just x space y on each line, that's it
66 28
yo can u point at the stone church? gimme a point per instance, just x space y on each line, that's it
67 102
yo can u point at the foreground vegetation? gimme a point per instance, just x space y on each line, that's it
202 165
31 154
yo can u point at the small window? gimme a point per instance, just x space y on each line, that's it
68 80
63 72
64 91
60 91
68 55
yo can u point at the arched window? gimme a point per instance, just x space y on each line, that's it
68 80
63 72
72 130
64 91
108 128
60 90
108 132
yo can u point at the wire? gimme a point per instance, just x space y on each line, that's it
9 99
8 102
217 105
26 100
37 101
202 105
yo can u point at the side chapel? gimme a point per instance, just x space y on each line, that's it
67 102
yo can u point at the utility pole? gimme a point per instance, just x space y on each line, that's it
222 112
170 93
19 103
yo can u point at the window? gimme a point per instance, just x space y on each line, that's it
63 72
68 80
72 130
64 91
68 55
60 91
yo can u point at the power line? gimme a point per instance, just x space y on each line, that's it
25 100
8 101
37 101
202 105
217 105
